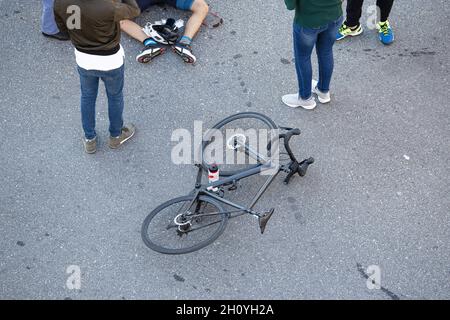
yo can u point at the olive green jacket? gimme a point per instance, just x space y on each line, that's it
97 30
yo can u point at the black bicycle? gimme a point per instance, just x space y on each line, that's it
186 224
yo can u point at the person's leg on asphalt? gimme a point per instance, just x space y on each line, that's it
385 9
351 26
114 83
133 30
304 41
48 24
183 48
385 33
199 10
152 48
354 12
324 48
89 91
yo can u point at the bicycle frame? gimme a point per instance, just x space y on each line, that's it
262 166
203 189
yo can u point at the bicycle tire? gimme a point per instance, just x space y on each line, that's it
242 115
158 248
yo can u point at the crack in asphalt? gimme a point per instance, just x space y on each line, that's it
389 293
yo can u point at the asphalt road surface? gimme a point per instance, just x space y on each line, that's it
377 196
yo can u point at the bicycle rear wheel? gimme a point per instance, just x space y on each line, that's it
253 128
167 231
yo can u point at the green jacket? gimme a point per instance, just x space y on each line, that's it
315 13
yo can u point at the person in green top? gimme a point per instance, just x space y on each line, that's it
316 23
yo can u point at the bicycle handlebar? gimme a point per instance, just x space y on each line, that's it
286 137
295 166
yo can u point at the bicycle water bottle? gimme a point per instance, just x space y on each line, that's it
213 176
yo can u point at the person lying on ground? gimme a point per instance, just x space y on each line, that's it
182 47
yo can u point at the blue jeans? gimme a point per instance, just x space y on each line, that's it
48 24
304 41
114 81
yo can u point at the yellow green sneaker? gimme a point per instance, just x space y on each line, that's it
345 31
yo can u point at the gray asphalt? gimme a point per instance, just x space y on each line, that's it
378 193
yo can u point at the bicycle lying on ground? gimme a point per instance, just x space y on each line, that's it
186 224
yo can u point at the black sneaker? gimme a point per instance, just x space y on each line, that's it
185 52
150 52
62 36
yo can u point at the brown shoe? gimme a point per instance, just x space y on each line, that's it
90 145
128 132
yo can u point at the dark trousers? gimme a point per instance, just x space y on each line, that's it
354 11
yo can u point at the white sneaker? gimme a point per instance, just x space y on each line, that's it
294 101
323 97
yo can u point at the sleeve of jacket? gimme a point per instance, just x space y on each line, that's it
127 9
62 26
290 4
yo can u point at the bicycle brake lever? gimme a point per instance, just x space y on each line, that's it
285 128
288 177
303 166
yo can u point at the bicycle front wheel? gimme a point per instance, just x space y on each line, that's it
182 225
253 129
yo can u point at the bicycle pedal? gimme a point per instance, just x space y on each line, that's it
264 219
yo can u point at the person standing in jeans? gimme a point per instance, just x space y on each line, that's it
99 55
352 26
48 24
316 23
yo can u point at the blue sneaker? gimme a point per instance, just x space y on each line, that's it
385 33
